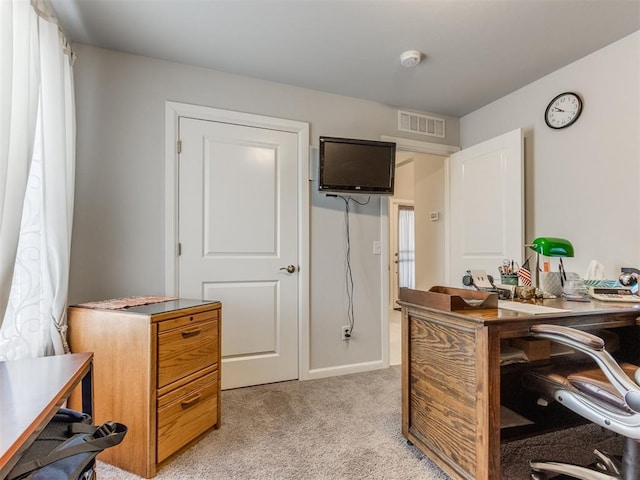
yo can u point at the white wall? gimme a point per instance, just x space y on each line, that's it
582 182
118 244
429 197
404 178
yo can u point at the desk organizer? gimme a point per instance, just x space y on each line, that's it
450 299
550 283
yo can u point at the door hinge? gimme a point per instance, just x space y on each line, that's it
179 249
179 146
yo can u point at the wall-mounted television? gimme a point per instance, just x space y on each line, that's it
356 166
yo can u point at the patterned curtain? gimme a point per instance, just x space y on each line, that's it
34 321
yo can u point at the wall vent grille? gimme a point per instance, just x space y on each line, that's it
422 124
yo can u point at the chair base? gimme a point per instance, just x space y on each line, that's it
608 467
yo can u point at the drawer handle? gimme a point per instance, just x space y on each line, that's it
191 333
190 401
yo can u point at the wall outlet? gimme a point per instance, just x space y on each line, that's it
346 332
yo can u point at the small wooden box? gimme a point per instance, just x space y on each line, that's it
534 349
450 299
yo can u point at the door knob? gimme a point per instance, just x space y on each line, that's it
290 269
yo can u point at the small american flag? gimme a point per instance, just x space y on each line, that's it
524 274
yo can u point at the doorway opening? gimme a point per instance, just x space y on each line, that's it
416 232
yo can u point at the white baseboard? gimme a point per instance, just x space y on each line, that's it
345 370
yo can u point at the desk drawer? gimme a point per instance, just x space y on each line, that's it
186 413
186 350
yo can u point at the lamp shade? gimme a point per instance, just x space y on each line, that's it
552 247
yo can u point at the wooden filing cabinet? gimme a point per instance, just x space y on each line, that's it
157 370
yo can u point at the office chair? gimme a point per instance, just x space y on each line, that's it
607 395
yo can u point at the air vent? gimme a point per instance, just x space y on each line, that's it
422 124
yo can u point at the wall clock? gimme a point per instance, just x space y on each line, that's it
563 110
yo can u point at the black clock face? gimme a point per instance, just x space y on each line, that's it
563 110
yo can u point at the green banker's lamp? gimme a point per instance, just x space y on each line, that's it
551 247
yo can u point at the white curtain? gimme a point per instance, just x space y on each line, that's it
406 248
34 321
19 93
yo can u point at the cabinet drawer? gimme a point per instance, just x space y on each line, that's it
186 413
186 350
185 320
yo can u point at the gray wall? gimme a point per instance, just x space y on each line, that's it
118 232
582 182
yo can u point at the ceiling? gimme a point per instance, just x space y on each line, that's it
474 51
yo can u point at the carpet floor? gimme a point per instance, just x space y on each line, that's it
338 428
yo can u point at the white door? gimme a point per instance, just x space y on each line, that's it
398 239
238 232
486 198
406 247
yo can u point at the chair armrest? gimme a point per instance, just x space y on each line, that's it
558 332
593 346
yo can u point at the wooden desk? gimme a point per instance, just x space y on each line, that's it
451 376
31 392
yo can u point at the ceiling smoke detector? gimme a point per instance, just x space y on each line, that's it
410 58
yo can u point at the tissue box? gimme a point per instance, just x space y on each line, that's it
534 349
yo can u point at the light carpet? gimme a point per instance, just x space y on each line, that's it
340 428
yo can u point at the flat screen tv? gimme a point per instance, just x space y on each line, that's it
356 166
